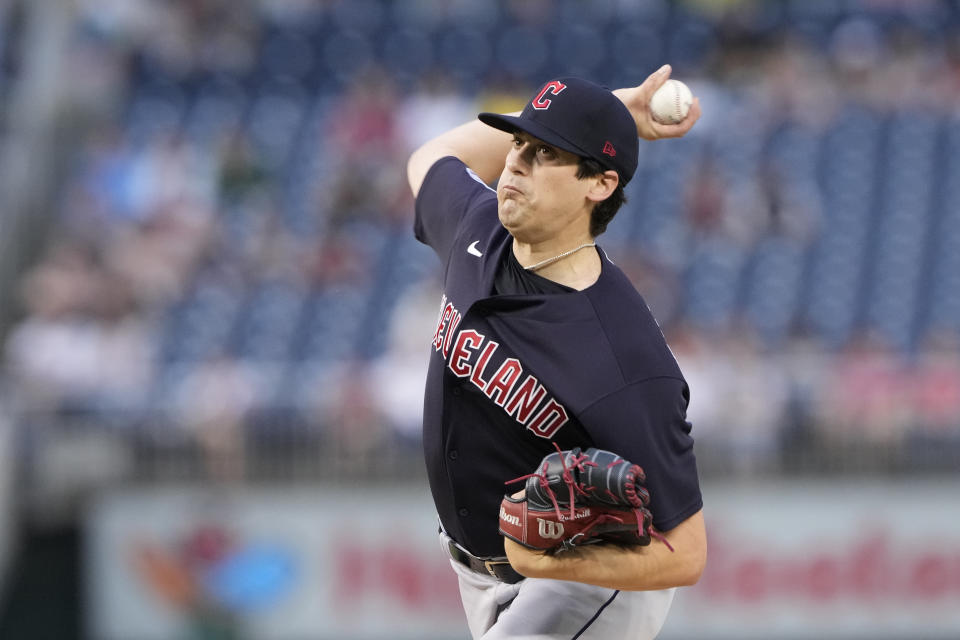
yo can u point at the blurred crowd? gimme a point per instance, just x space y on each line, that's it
232 268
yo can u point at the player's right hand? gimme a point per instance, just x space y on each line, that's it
637 100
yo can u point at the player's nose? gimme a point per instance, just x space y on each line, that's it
518 158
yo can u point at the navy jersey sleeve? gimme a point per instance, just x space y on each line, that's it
645 422
450 190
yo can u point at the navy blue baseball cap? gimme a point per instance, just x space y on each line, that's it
581 117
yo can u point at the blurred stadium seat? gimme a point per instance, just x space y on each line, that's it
813 205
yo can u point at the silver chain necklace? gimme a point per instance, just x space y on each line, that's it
544 263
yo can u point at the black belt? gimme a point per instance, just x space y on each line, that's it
499 568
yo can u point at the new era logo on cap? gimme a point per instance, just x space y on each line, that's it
580 117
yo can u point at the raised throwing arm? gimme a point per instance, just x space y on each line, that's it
484 149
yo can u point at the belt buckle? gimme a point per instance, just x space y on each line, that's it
488 565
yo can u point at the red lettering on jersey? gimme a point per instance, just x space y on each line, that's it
554 88
525 400
461 351
503 380
482 364
549 420
444 318
452 329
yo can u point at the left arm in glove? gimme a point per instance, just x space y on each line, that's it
577 498
554 530
614 566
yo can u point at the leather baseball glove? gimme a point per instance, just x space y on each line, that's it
576 498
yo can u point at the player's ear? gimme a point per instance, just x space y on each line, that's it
602 185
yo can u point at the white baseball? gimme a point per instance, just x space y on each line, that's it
671 102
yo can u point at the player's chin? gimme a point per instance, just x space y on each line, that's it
511 216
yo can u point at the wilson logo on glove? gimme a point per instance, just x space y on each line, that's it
509 519
549 529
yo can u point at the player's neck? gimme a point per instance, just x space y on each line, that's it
576 266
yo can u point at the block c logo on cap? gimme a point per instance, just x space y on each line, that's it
553 87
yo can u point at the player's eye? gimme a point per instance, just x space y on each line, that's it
544 150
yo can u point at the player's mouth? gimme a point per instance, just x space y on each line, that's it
508 189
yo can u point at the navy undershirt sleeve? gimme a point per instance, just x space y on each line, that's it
449 191
645 423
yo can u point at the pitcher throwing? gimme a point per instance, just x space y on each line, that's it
543 347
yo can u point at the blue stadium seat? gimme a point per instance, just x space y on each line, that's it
426 14
408 54
523 52
268 322
329 330
773 287
832 303
579 49
902 227
638 49
485 15
219 106
206 321
156 109
345 54
467 54
288 53
274 122
943 291
713 283
361 15
690 44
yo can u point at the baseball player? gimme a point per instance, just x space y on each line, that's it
542 343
